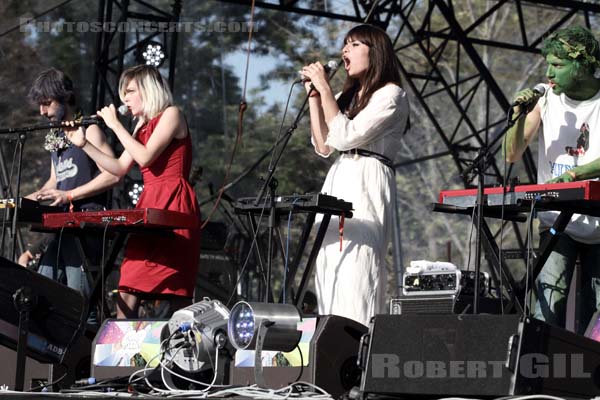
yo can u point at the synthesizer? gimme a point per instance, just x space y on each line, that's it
550 192
30 211
314 202
136 217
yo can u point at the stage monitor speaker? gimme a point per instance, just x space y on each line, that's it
332 356
56 318
475 355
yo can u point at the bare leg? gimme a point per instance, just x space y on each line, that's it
127 305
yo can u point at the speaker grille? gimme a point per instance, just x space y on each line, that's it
422 305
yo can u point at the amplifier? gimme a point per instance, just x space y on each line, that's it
443 304
449 282
475 355
427 283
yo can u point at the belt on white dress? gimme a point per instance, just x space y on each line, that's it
366 153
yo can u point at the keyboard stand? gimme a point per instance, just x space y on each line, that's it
546 248
294 264
118 236
491 248
310 262
517 214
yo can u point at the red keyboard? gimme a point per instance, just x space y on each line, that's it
137 217
568 191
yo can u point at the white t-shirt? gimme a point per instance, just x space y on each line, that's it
570 137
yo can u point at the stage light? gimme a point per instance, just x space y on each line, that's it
278 321
151 53
135 192
195 334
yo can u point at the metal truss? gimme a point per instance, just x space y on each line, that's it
436 35
432 32
442 59
380 14
476 116
113 46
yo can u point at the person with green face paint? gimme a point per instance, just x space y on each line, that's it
568 116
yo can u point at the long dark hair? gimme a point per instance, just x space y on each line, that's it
384 68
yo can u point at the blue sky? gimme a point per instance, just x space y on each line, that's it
258 65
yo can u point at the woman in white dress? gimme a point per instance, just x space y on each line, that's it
364 124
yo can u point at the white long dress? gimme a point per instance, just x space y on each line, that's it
352 282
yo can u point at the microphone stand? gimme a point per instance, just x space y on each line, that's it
479 165
287 136
272 184
21 134
84 121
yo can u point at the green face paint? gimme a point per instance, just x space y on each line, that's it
562 75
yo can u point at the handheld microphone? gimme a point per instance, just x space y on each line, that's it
331 65
123 110
539 90
95 119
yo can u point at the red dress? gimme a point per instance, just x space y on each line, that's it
155 263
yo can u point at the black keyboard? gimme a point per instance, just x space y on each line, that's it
30 211
313 202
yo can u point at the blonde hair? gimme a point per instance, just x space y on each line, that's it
154 89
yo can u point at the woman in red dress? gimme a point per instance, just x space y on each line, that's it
153 267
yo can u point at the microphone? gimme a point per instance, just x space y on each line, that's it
95 119
539 90
331 65
124 110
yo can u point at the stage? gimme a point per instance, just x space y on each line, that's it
399 356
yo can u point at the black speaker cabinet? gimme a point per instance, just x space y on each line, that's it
476 355
57 316
332 359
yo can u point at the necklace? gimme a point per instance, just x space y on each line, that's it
56 139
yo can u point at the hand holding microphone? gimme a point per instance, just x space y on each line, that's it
316 76
108 114
93 119
330 66
77 136
527 99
